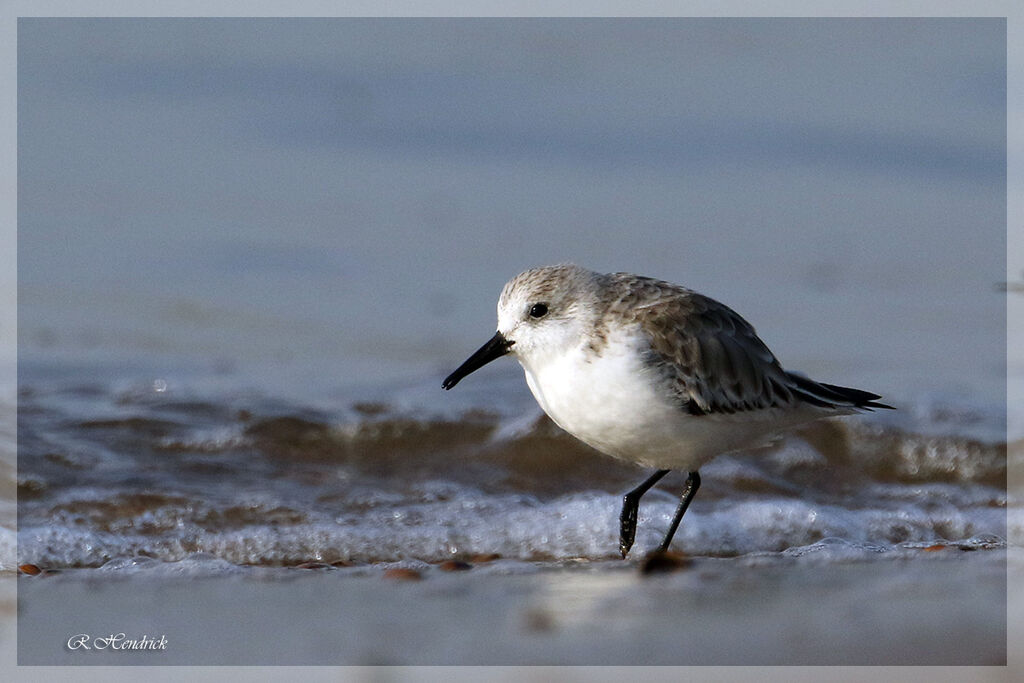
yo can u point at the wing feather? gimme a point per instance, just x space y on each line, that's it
711 358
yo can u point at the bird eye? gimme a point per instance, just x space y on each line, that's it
538 310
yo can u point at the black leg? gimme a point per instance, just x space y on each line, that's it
630 507
692 484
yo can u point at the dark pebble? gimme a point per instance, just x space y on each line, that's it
538 621
658 562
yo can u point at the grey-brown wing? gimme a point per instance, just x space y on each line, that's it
710 357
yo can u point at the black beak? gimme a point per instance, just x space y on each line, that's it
497 347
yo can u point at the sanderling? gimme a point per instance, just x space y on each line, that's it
650 372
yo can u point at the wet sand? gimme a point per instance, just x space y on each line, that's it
944 610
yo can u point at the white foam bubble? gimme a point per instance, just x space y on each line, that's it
519 526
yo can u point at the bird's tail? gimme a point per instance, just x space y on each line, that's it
831 396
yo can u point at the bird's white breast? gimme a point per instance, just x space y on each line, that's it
608 400
615 403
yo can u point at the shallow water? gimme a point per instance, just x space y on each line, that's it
160 470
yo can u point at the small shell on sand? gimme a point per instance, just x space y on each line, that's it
401 574
312 565
454 566
484 557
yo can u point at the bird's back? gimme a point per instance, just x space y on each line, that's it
710 358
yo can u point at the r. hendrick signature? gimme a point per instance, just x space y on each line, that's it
116 641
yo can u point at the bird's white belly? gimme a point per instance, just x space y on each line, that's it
613 403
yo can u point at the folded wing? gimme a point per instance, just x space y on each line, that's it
713 360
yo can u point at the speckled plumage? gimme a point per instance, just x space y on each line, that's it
710 359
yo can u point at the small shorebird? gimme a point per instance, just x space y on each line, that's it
650 372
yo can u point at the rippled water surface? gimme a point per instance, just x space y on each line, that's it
158 470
